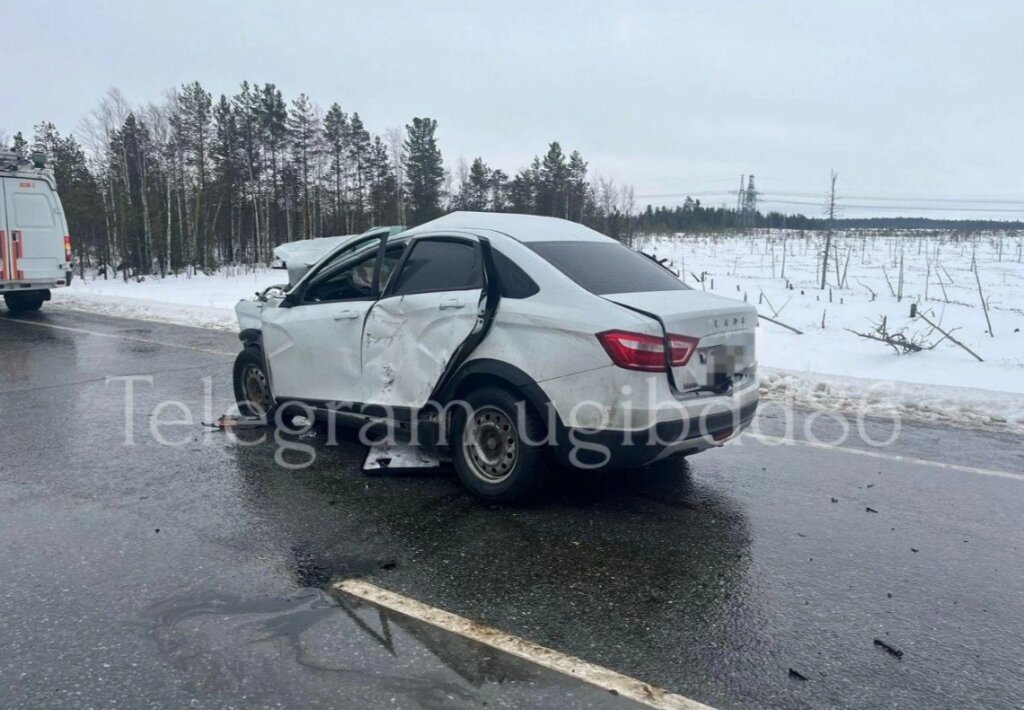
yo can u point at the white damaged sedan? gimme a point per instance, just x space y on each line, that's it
504 343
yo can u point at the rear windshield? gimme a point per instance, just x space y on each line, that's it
608 267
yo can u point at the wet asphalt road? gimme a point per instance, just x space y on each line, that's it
151 575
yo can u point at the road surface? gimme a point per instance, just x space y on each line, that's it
197 572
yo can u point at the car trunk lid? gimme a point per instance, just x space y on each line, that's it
724 327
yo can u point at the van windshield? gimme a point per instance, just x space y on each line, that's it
608 267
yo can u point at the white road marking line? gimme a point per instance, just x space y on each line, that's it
625 686
121 336
780 441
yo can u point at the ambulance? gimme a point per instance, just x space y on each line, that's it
35 249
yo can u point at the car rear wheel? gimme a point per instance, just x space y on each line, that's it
24 302
493 453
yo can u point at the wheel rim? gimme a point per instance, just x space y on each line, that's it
255 388
491 443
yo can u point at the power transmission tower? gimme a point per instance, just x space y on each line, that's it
749 199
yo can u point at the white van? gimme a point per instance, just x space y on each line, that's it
35 249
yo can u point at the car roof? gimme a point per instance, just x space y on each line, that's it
521 227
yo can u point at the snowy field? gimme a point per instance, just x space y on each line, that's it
778 271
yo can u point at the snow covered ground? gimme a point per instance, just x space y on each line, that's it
825 365
197 300
828 365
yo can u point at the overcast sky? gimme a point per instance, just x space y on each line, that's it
902 98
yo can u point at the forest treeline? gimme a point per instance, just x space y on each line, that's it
198 181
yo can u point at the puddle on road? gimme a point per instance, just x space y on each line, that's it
311 645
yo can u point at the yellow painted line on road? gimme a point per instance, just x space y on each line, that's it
122 336
609 680
786 441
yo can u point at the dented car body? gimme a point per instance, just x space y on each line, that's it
501 340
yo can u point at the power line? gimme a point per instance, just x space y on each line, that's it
931 208
919 198
863 202
767 195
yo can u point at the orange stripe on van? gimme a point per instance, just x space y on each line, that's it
4 254
19 251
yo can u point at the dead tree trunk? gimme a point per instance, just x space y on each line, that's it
831 226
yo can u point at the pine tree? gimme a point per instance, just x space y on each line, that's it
424 171
248 109
552 184
498 190
304 129
359 147
336 133
274 120
522 190
226 158
475 193
577 188
383 208
193 128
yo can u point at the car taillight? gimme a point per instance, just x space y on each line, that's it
637 351
683 347
67 248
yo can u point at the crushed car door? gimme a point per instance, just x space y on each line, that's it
432 306
312 339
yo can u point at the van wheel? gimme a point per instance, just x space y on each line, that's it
24 302
492 453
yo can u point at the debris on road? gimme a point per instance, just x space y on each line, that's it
238 421
870 510
797 675
399 458
889 649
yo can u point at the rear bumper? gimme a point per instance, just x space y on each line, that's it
29 286
609 448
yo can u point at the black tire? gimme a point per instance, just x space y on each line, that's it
24 302
491 453
252 384
250 369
